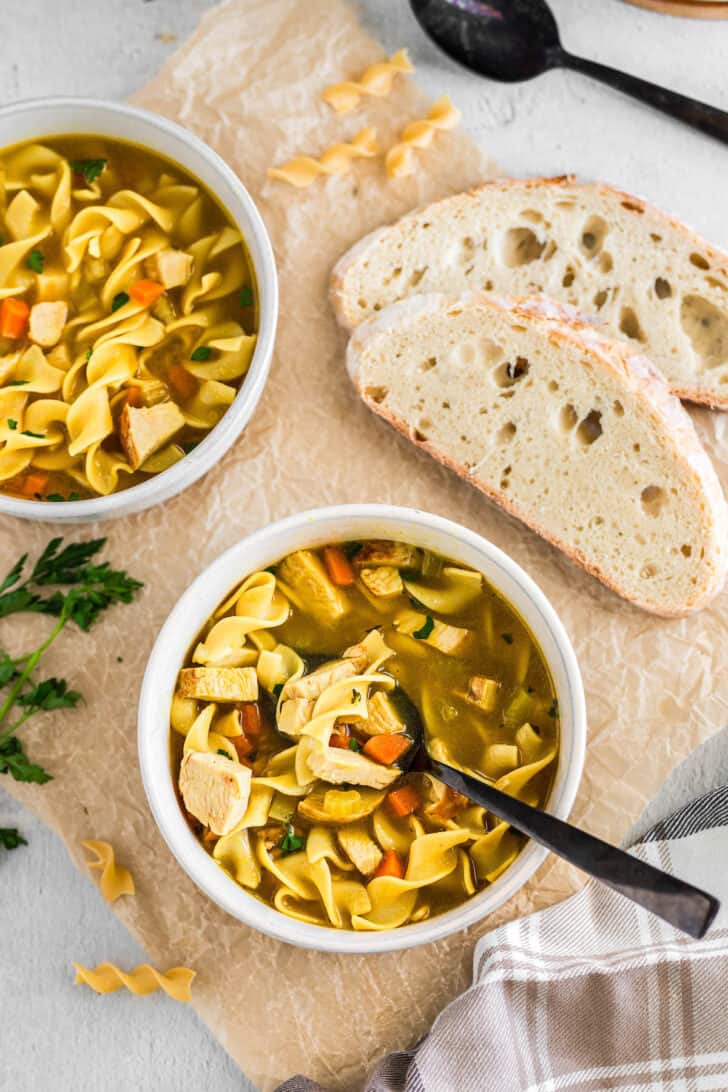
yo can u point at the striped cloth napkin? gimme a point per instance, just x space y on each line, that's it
591 995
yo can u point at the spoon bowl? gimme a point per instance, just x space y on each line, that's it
515 40
508 40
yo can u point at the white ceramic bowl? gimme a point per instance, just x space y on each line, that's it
39 118
347 522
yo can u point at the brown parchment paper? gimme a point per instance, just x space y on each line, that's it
248 83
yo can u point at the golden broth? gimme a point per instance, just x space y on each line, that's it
147 299
433 656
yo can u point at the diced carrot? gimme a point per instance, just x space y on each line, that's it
208 836
134 397
250 712
183 385
387 748
338 567
340 740
391 864
146 292
13 317
242 745
36 482
403 801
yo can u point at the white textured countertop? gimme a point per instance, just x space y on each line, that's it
59 1038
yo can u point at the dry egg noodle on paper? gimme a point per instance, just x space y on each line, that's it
250 83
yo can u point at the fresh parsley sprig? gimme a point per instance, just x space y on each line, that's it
66 583
11 838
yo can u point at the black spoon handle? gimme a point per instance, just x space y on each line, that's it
708 119
682 905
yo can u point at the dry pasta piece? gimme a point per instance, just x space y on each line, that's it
303 169
376 80
400 159
106 978
115 880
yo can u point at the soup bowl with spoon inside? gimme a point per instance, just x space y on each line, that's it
268 862
138 308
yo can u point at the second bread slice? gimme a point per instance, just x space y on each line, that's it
571 432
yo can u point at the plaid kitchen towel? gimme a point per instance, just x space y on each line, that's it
591 995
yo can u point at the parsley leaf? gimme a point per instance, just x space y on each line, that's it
10 838
12 424
291 842
351 549
554 709
35 261
354 744
119 300
89 353
277 689
223 753
35 435
90 169
13 760
202 352
47 695
426 629
355 696
17 382
246 297
508 638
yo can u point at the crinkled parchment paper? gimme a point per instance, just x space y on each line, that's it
249 84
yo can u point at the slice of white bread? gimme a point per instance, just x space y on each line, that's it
645 275
569 431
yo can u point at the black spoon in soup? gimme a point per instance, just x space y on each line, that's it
680 904
514 40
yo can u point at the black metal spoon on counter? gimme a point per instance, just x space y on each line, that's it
680 904
514 40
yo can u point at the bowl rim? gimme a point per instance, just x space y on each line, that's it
218 440
160 790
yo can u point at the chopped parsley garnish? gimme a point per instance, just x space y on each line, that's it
291 842
12 424
270 569
246 297
16 382
425 630
10 838
508 638
33 435
55 497
554 710
355 697
277 689
90 169
354 745
351 549
35 261
202 352
118 301
224 754
88 355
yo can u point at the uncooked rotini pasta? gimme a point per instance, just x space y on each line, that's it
376 80
107 977
114 880
128 316
302 170
400 159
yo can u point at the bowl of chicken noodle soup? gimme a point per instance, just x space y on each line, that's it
289 687
138 305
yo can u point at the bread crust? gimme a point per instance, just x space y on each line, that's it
634 370
347 320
